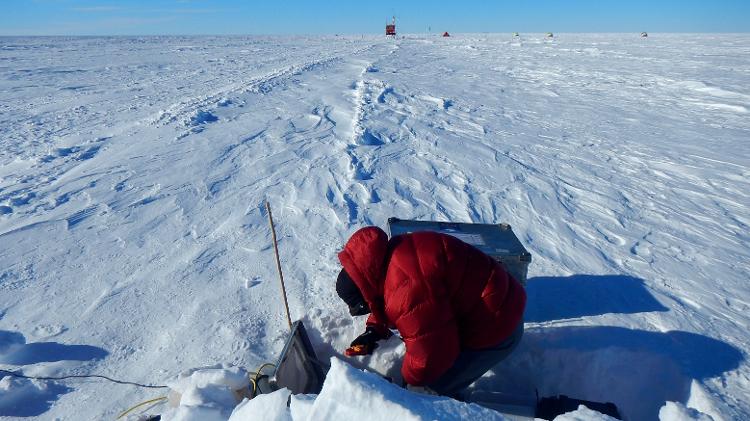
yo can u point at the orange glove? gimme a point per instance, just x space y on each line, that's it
356 350
365 343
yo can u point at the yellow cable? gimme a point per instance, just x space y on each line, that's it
161 398
253 380
258 373
255 386
260 369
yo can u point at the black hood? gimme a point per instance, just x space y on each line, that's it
352 296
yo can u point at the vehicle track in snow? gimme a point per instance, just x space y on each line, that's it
29 195
385 133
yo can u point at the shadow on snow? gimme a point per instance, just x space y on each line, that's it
29 398
555 298
638 370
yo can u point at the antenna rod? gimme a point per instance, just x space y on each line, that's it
278 264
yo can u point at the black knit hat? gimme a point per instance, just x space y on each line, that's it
352 296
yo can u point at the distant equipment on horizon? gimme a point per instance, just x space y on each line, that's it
644 35
390 29
516 35
549 35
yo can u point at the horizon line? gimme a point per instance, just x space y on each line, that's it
364 33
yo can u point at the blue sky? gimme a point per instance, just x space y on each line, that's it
142 17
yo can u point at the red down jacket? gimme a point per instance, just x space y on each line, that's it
442 295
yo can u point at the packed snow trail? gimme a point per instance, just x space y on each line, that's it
132 228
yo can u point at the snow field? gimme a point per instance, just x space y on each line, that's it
133 173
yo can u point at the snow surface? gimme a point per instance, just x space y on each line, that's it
585 414
674 411
208 393
349 394
134 241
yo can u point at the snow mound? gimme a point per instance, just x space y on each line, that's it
207 393
372 397
27 398
201 117
272 407
675 411
584 414
301 406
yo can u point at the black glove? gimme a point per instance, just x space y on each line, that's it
365 343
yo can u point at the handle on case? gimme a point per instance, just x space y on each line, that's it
448 226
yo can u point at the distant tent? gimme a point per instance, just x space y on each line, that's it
516 35
446 34
549 35
644 35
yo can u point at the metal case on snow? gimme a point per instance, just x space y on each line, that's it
495 240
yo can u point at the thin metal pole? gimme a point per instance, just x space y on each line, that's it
278 264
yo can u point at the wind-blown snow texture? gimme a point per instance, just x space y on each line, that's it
133 172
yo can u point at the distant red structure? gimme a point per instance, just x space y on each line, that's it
446 34
390 29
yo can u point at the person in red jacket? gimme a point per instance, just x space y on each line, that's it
458 311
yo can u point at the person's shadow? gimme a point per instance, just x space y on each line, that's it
556 298
26 398
638 370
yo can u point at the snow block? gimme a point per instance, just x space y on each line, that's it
369 396
207 393
270 407
584 414
675 411
27 398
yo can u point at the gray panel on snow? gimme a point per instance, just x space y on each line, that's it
298 369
